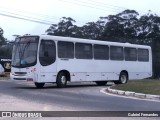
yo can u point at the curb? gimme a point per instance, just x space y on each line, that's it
133 94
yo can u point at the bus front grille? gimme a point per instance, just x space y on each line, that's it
21 73
19 78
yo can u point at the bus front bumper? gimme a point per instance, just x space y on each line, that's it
23 77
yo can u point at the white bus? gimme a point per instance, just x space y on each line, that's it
53 59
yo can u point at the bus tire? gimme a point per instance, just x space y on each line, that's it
61 80
101 83
39 85
123 78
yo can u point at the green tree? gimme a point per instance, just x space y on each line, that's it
129 21
149 33
64 28
121 27
113 29
148 28
92 30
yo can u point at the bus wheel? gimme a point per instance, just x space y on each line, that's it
123 78
101 83
61 80
39 85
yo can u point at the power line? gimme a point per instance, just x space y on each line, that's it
19 14
98 5
104 4
22 18
101 5
94 5
115 6
90 6
35 14
27 12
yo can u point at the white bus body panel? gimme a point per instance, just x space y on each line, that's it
99 70
87 70
48 73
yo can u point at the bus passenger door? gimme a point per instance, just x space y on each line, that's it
47 59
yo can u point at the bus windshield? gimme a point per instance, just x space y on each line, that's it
25 51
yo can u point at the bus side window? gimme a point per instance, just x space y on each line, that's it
83 51
143 55
130 54
65 49
47 53
101 52
116 53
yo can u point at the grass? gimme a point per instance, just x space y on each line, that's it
147 86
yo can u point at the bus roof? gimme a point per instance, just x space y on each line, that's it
90 41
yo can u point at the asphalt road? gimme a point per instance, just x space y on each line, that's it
23 96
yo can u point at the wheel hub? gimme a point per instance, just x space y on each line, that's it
63 79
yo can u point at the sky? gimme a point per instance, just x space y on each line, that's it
50 11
